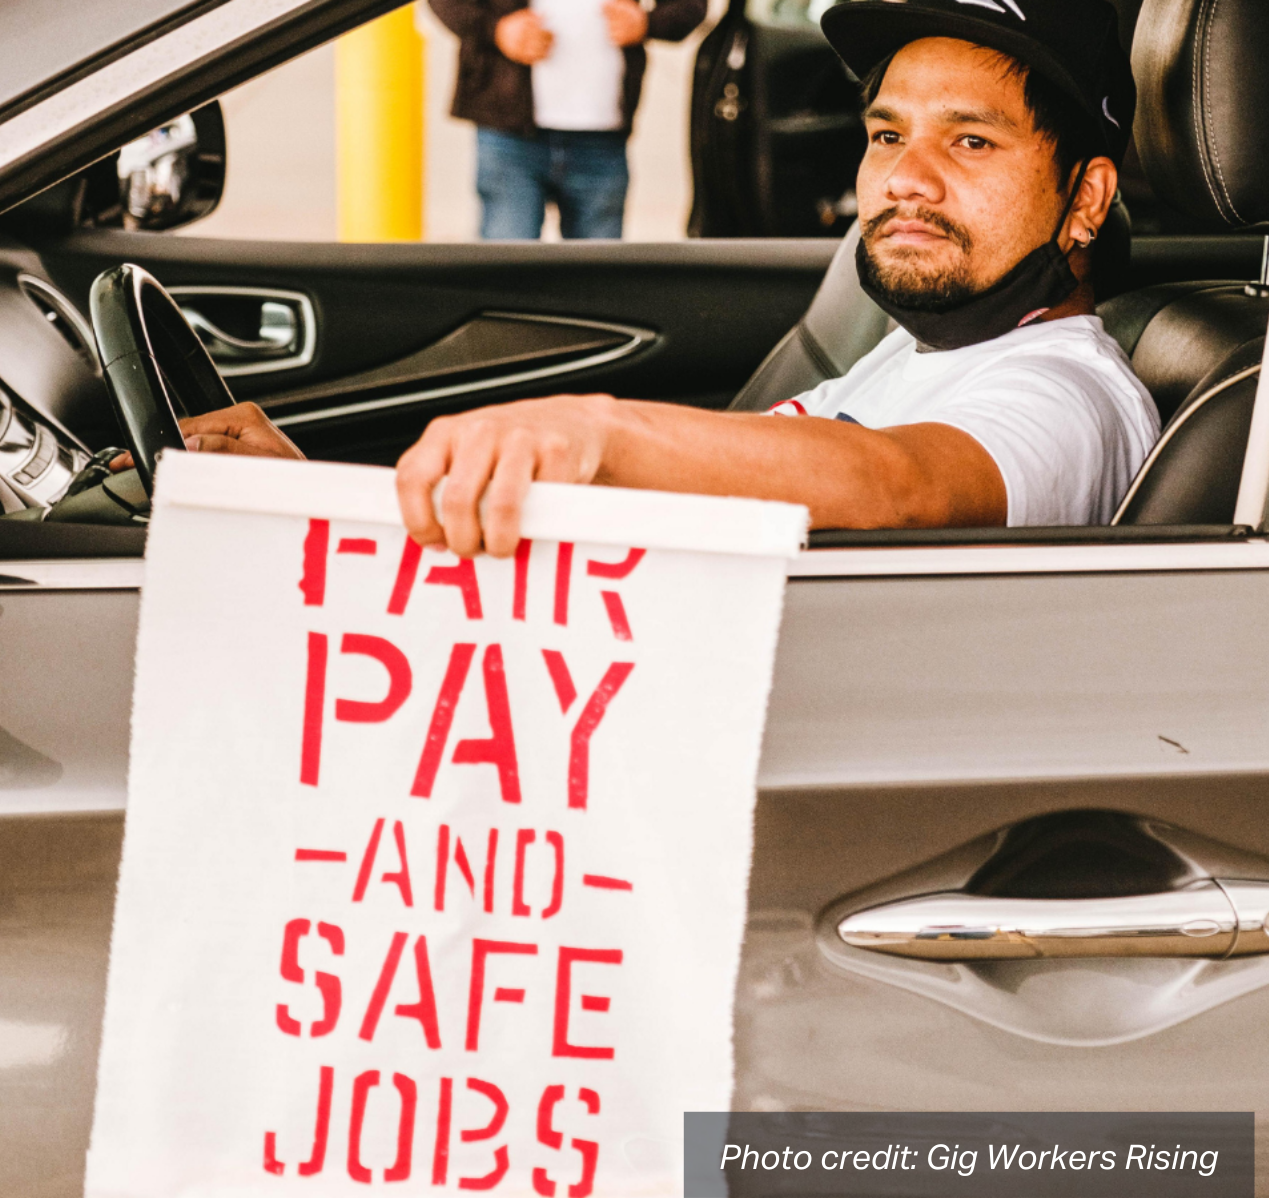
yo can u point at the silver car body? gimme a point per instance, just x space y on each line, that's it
922 697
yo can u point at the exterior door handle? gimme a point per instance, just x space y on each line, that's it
1213 918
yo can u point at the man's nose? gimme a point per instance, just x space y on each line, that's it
915 176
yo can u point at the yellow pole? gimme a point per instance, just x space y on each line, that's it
379 130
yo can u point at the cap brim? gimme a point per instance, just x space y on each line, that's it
867 32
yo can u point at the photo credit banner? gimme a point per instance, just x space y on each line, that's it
434 874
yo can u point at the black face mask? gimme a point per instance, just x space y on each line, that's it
1041 281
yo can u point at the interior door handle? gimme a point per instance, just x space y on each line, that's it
278 332
250 330
1213 918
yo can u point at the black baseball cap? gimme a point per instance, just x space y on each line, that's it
1073 43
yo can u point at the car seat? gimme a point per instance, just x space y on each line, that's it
1203 134
840 327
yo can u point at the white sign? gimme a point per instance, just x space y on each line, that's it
434 875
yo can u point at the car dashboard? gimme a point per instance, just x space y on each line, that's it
54 409
38 463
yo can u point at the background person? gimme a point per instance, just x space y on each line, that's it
553 91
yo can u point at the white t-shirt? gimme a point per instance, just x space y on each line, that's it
1055 404
578 85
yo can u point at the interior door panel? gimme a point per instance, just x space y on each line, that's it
453 326
492 351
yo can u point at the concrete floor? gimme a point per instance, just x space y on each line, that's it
281 170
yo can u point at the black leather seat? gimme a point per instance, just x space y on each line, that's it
1177 333
1193 473
839 328
1203 134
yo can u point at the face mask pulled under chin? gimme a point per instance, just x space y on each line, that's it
1041 281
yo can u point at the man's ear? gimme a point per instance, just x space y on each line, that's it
1092 203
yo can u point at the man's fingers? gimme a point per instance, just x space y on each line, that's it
242 429
215 443
536 45
556 461
420 469
504 497
471 465
245 423
226 422
488 458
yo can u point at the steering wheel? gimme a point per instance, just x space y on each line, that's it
154 363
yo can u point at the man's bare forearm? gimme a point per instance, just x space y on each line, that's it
847 475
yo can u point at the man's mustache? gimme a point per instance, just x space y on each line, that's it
955 233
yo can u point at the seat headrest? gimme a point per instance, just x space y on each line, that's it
1203 106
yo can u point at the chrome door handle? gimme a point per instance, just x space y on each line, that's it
1209 919
285 325
278 329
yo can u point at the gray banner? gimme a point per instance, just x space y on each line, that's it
969 1154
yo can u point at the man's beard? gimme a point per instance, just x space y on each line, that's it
904 284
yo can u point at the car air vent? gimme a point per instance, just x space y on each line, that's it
63 316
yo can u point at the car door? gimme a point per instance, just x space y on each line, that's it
1051 723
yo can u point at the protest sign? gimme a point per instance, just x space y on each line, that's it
434 873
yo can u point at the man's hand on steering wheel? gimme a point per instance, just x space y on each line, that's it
242 429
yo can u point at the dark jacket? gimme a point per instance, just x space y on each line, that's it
495 92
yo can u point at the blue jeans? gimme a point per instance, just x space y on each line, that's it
583 172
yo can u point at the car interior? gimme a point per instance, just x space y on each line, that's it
353 348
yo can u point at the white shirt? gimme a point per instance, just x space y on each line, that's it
1055 404
578 85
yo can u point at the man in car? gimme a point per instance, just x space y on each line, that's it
994 132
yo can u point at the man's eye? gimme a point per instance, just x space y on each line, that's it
886 137
970 142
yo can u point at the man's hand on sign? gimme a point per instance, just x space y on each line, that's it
523 38
488 458
242 429
627 22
